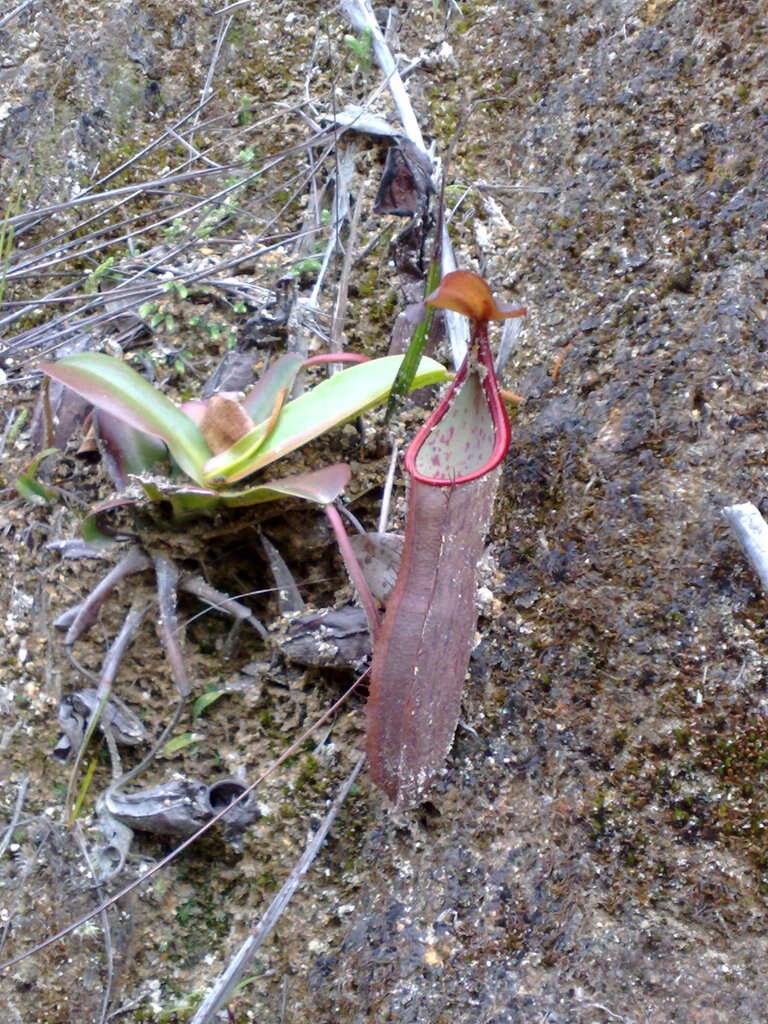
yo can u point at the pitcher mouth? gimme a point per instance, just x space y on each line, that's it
460 431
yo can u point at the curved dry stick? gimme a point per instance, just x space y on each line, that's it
134 561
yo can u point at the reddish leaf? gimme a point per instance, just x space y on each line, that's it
113 386
125 450
260 400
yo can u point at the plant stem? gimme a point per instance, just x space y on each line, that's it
355 572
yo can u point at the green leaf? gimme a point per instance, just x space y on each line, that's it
205 700
186 739
185 500
403 380
91 526
30 488
308 266
113 386
337 400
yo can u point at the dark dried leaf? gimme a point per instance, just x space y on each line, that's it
406 183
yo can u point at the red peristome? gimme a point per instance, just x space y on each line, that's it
478 360
335 357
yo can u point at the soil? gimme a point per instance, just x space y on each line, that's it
596 849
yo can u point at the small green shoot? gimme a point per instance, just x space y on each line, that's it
178 287
17 426
310 266
30 488
103 272
404 379
186 739
361 48
245 111
82 792
205 700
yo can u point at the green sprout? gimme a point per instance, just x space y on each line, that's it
101 273
361 48
6 241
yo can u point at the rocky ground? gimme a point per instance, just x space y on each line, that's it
596 850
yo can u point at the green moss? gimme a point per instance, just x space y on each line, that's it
309 773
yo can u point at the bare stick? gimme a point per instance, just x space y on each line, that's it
344 171
751 531
215 598
208 87
157 183
17 10
229 979
134 561
360 13
485 186
109 669
342 292
355 571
